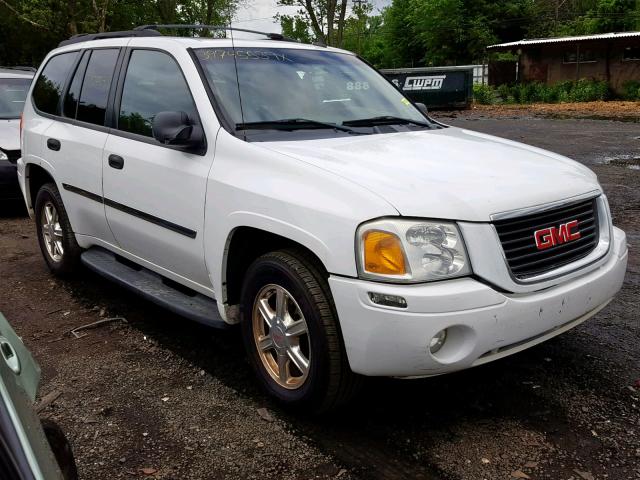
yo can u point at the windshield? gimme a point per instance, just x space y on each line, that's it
309 87
13 92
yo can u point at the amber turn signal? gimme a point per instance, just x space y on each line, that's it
383 253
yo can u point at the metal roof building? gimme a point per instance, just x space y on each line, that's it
614 57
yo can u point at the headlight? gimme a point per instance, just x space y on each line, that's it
411 251
3 156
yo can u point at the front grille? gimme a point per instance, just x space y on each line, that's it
519 244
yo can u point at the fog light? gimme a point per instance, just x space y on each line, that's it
388 300
437 341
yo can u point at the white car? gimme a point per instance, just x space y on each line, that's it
14 85
290 188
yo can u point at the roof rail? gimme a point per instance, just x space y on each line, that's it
85 37
21 68
270 36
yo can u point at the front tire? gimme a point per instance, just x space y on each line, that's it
291 333
55 236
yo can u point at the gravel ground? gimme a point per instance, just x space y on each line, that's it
613 110
159 397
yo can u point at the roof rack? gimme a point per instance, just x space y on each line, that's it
152 31
20 68
270 36
85 37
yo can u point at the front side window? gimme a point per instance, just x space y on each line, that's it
49 86
314 86
13 92
95 87
154 83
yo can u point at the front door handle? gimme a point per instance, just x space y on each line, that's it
116 161
9 355
53 144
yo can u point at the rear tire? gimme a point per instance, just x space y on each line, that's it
306 334
56 238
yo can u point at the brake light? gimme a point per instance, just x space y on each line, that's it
21 127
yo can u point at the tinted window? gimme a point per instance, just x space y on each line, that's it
13 91
153 84
70 107
46 94
96 85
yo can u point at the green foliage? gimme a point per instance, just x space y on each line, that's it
484 94
449 32
296 28
325 19
30 28
568 91
631 90
415 33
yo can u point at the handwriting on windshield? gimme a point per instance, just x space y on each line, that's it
222 54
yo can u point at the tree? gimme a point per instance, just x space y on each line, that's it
325 18
30 28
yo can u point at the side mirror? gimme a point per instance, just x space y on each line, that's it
423 109
176 128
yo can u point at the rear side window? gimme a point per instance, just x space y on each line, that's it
49 86
95 87
154 83
71 99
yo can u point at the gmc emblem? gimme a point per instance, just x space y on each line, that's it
552 236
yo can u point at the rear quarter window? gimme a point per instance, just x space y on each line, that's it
50 83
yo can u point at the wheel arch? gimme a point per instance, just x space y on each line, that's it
35 176
245 243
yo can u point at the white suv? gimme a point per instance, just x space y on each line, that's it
292 189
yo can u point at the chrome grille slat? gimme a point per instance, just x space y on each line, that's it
517 238
587 239
584 231
559 220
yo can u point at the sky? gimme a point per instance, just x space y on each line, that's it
258 14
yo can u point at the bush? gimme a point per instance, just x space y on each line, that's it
631 90
567 91
588 91
483 94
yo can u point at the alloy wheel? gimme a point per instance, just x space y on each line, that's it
281 336
52 232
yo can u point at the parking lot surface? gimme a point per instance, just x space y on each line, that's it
159 397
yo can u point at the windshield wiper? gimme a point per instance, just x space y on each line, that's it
291 124
385 120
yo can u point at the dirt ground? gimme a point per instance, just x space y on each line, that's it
618 110
159 397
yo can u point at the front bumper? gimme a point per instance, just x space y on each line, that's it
483 324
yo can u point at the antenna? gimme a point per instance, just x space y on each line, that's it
235 64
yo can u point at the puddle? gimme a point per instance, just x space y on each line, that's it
632 162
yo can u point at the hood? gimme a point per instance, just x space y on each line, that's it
449 173
10 134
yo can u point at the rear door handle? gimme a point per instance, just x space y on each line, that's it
53 144
116 161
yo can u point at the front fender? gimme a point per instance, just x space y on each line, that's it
252 186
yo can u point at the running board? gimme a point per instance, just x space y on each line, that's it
153 287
